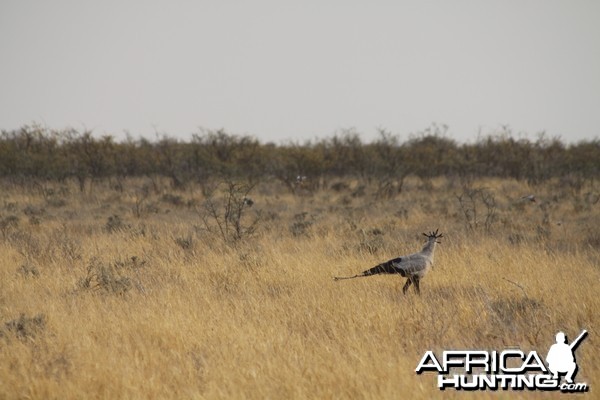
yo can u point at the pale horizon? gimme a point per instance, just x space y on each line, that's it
302 72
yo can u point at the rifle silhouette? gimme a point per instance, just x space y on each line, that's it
578 340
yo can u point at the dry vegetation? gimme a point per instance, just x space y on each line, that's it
150 292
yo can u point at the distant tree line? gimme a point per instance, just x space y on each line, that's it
41 153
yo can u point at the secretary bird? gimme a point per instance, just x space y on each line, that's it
413 266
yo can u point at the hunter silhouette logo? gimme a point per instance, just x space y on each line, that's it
560 357
508 369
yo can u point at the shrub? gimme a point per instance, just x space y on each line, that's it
226 216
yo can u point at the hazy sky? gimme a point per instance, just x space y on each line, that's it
283 70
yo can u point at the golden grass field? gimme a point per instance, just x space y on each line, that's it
154 304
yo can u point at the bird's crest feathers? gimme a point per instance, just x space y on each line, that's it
434 235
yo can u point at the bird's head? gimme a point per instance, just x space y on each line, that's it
434 236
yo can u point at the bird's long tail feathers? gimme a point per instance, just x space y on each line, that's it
384 268
337 278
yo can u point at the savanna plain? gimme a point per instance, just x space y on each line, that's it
141 291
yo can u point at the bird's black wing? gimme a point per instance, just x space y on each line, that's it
388 267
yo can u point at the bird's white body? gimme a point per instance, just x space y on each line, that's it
417 264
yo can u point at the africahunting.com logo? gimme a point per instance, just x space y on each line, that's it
510 369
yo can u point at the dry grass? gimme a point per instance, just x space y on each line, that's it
108 294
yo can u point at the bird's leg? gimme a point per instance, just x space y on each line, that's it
417 288
406 285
